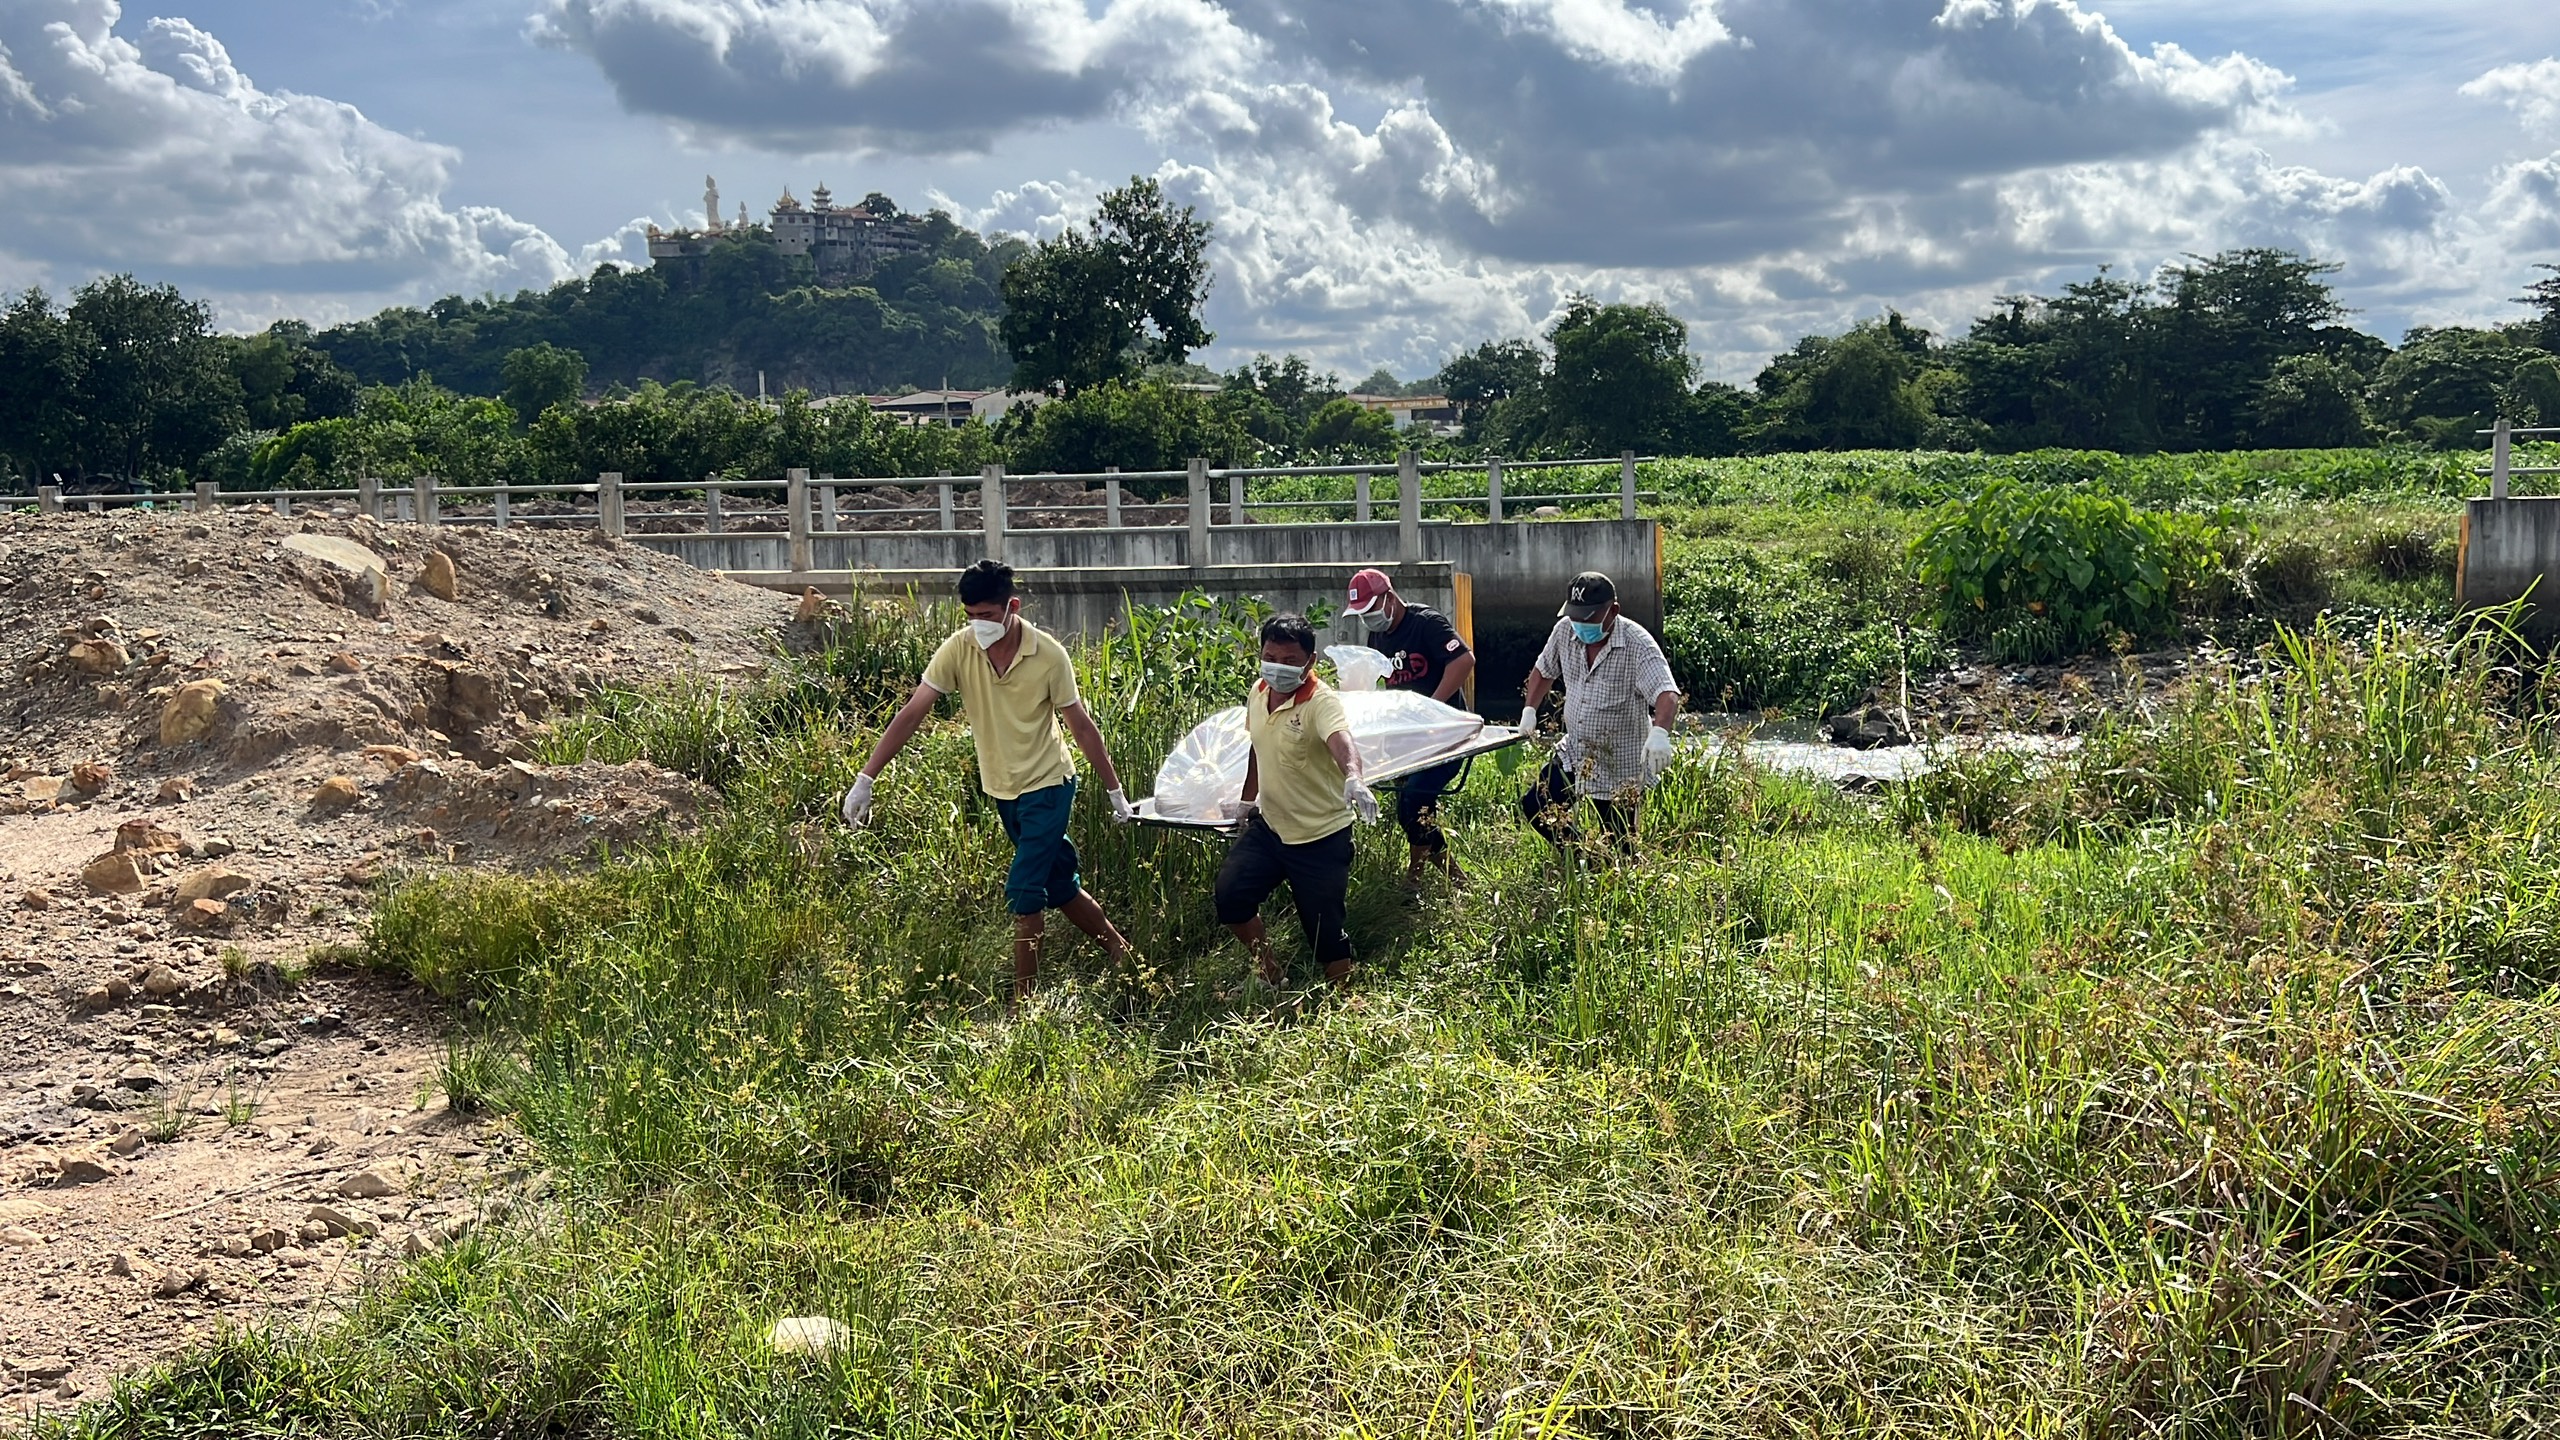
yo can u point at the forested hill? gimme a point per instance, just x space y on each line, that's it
919 320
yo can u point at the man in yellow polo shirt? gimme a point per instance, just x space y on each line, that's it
1301 788
1016 683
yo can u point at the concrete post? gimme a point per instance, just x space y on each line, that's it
1111 499
48 499
948 522
1360 497
2501 462
368 497
1196 547
1408 507
498 506
710 504
400 508
609 503
206 490
1626 484
1493 489
1235 499
795 495
828 524
284 505
425 490
991 508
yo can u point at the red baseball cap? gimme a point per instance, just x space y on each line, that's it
1368 588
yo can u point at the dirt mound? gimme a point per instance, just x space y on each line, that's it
220 730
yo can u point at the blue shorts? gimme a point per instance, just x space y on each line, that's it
1043 876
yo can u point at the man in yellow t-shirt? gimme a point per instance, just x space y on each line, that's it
1301 788
1016 683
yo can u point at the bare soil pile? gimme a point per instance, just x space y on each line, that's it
219 730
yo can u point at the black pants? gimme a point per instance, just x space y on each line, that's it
1317 873
1418 806
1550 808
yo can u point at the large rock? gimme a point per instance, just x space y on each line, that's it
362 576
366 1185
333 1220
91 776
438 576
210 882
146 837
99 657
81 1170
336 793
118 872
189 715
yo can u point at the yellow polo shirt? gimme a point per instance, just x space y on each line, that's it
1301 785
1013 716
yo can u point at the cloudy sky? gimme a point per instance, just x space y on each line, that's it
1390 179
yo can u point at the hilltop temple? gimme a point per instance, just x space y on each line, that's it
844 244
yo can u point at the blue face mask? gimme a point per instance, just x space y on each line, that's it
1283 678
1589 632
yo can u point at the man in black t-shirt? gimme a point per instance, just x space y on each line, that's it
1424 654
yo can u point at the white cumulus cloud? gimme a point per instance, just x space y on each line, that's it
2532 91
156 153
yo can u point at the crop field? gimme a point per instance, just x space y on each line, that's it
2202 1085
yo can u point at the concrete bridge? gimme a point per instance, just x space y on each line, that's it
1087 547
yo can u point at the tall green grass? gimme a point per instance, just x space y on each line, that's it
2202 1084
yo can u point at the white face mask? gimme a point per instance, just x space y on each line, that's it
986 632
1283 678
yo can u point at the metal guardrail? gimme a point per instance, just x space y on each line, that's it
811 507
2502 464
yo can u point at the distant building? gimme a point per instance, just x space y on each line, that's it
950 407
1432 411
844 245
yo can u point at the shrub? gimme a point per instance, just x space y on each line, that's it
2290 575
2404 554
2084 561
1749 632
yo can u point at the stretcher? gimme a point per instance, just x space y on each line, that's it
1484 742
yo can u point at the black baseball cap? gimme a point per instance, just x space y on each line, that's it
1588 597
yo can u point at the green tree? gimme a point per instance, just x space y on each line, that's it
40 359
2444 384
1135 425
2224 325
1858 391
2533 391
2544 296
155 389
284 380
1104 300
1492 372
1620 379
2311 402
1275 400
1343 428
540 376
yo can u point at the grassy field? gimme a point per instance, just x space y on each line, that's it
2201 1086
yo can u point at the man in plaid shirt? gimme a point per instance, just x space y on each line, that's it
1619 703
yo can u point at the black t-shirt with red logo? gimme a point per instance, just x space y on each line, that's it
1418 649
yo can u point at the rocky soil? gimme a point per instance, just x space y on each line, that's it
219 733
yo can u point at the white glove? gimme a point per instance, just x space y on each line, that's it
1529 720
857 802
1239 811
1121 809
1357 796
1657 754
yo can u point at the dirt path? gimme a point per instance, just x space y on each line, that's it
198 1124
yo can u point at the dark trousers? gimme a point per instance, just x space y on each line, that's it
1550 808
1418 806
1317 873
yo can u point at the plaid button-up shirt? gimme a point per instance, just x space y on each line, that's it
1608 703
